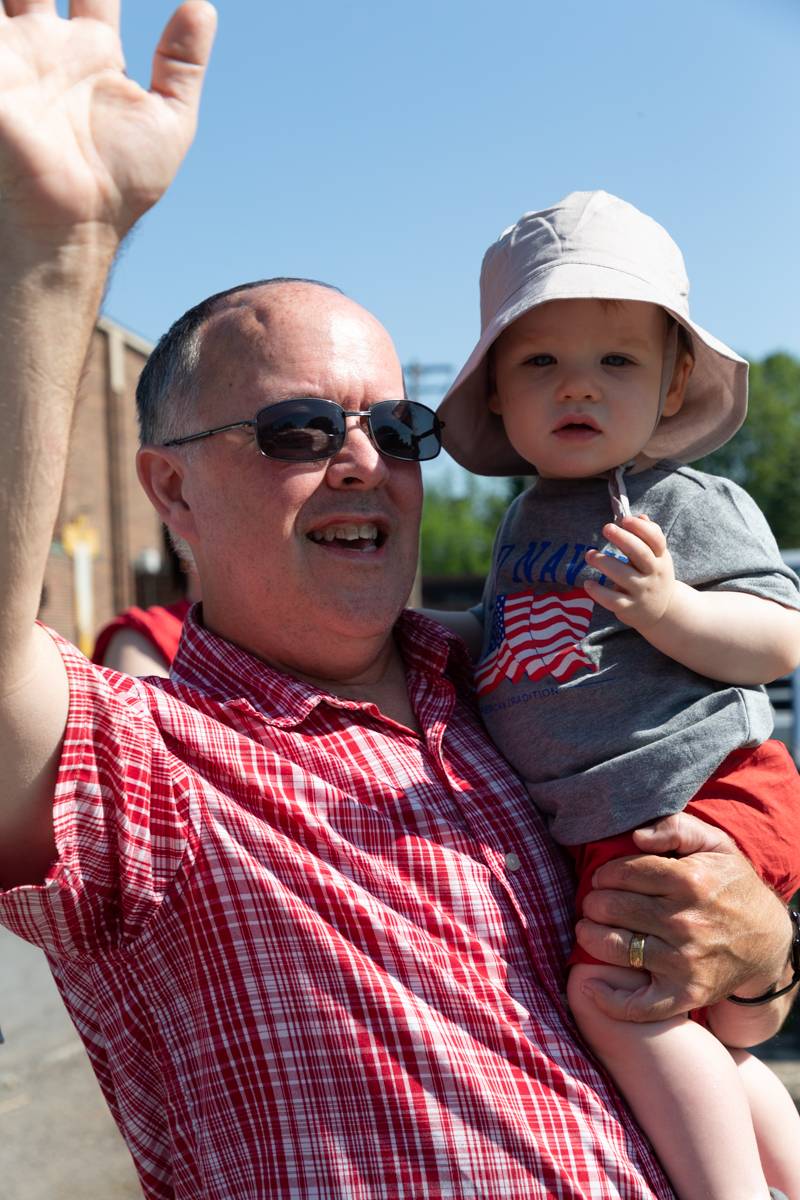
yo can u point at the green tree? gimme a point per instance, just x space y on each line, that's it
764 456
458 527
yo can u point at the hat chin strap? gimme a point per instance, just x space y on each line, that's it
617 491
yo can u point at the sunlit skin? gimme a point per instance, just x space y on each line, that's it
255 524
577 383
578 386
69 218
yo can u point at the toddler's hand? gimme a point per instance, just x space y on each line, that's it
638 591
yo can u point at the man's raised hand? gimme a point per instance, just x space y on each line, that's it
81 144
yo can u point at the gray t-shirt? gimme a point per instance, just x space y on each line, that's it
607 731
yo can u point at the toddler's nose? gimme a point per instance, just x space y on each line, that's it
578 385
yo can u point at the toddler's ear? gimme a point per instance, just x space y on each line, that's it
677 389
495 404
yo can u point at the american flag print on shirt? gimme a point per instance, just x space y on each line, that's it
536 635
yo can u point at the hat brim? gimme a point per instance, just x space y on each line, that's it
715 402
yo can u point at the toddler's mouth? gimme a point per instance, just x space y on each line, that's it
576 426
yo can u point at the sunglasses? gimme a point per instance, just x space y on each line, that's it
307 429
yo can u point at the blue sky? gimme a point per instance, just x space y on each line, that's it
382 147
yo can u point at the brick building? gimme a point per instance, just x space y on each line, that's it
107 547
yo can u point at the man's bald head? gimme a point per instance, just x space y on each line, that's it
169 385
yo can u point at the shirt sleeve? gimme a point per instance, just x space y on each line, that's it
720 541
121 817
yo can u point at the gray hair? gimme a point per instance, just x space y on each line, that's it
169 384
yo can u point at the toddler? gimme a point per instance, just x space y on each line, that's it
621 659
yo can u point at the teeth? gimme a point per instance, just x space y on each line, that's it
345 533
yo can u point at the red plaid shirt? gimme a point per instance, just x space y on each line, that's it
312 955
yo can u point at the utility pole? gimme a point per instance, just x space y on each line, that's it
420 384
417 379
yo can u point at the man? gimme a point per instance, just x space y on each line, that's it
304 920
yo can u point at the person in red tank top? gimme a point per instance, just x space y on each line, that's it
144 641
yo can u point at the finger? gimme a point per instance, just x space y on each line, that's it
619 572
637 539
606 595
617 913
683 834
651 1002
616 598
611 944
106 11
646 530
671 904
182 54
20 8
636 549
649 875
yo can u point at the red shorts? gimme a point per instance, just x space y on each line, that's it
754 796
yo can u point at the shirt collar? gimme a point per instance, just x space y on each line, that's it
226 673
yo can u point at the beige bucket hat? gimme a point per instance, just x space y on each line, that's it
590 245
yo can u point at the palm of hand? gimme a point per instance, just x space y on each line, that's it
79 141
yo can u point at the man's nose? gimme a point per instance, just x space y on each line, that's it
359 462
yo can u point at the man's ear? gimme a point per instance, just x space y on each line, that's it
162 474
677 388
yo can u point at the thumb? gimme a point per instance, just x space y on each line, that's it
653 1001
683 834
182 54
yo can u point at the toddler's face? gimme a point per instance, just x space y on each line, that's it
577 384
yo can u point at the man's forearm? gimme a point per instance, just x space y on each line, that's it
84 152
50 291
741 1024
743 1027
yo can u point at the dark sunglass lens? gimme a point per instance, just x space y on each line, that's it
299 430
405 429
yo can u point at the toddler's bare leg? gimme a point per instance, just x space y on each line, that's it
684 1090
776 1122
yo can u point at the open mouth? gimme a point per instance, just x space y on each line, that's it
364 536
576 427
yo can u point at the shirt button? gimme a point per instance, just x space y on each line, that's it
512 862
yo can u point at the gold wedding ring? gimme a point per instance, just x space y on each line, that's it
636 951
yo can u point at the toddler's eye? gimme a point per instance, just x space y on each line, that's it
616 360
540 360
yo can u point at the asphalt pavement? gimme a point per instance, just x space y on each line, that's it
57 1138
